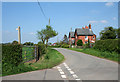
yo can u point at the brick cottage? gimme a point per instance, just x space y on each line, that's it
82 34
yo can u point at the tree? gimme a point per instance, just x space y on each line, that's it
118 32
65 39
15 42
108 33
41 35
79 43
28 43
49 33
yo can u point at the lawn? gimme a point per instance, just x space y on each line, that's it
48 60
102 54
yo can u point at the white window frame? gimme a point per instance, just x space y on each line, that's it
86 38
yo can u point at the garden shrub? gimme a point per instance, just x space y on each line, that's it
79 43
107 45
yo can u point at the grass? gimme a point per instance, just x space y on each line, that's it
48 60
102 54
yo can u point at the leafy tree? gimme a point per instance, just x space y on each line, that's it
108 33
46 34
79 43
41 35
15 42
49 33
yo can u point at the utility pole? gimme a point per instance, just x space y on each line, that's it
70 38
19 35
49 21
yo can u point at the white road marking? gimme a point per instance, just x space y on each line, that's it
63 76
71 72
58 67
62 72
75 76
69 69
77 79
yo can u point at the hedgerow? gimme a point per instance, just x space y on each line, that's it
107 45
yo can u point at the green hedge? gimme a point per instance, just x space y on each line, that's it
42 49
11 57
65 46
107 45
11 54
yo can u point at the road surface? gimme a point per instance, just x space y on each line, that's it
77 66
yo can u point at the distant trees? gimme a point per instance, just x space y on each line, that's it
65 39
15 42
28 43
46 34
108 33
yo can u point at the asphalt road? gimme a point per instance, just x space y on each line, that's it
77 66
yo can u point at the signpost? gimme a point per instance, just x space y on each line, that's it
19 35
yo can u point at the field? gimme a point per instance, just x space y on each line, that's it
107 55
27 53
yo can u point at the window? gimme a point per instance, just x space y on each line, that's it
93 37
86 37
86 42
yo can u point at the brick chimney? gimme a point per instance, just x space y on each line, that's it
89 26
83 28
86 27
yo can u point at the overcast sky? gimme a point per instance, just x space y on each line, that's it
63 15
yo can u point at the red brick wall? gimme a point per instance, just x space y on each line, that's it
83 39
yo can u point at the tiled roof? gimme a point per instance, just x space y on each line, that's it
84 31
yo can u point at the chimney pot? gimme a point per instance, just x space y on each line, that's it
89 26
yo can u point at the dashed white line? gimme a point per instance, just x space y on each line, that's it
71 72
63 76
77 79
75 76
62 72
69 69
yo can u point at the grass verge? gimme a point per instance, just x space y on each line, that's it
107 55
48 60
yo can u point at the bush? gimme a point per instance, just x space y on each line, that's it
11 56
65 46
79 43
42 48
107 45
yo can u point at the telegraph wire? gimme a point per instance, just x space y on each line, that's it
42 10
